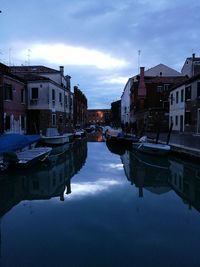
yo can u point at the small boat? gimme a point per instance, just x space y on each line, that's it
151 148
25 158
79 134
53 138
16 142
118 136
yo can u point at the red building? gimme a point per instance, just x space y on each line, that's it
150 100
12 102
80 108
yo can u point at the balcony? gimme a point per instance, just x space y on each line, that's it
33 102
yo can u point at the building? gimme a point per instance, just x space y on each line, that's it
99 116
12 102
149 104
125 102
80 108
49 98
191 67
185 106
116 113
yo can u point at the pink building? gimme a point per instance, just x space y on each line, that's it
12 102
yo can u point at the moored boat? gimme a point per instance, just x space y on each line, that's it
53 138
118 136
151 148
24 159
16 142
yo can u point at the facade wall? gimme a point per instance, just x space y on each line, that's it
80 108
125 102
177 109
1 106
14 106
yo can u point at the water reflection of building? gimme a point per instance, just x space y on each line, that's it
45 182
95 137
159 175
185 181
146 172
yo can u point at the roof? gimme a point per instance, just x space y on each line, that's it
186 81
194 59
161 70
31 77
33 69
167 80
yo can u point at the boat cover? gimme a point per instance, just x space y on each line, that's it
14 141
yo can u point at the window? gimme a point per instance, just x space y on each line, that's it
66 101
198 89
166 87
188 93
159 88
60 97
53 119
176 120
60 119
7 124
177 96
171 99
22 95
8 95
171 119
182 95
187 117
53 95
34 93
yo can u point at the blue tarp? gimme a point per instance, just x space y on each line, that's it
13 142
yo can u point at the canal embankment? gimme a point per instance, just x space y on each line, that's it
182 145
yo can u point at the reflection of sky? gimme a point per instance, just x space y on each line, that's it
100 164
108 225
91 188
97 175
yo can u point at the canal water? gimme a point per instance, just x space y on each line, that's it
98 205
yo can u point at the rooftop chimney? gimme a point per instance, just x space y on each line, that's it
193 56
62 70
142 88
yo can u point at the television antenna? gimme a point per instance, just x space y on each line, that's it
139 52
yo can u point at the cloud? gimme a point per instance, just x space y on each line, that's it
80 190
72 55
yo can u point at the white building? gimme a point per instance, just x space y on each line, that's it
49 97
177 108
125 102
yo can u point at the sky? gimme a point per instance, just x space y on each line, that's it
100 43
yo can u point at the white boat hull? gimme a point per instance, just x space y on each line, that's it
55 140
152 149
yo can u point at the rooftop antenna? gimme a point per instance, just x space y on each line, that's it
9 56
139 52
28 57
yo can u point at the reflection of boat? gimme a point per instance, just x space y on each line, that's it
26 158
43 181
116 148
151 148
148 160
150 174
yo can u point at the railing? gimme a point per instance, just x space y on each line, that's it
33 102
